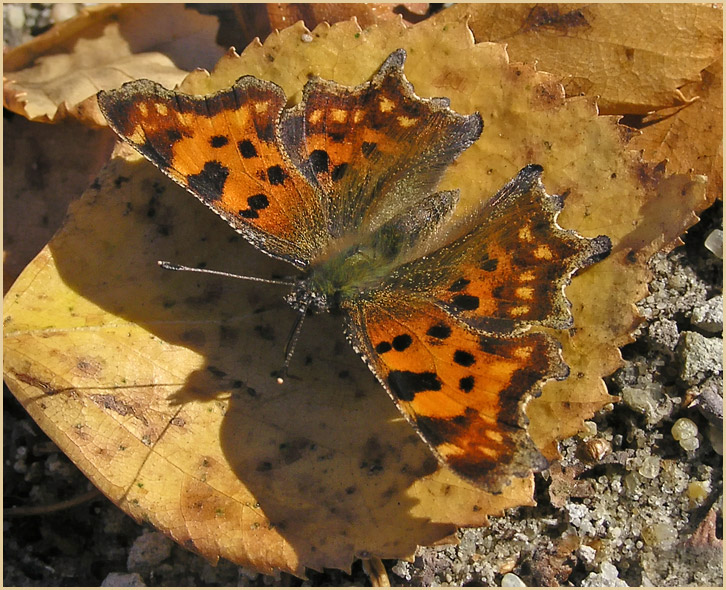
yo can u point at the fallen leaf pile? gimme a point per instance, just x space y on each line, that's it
158 385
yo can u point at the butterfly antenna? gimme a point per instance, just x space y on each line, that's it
291 343
171 266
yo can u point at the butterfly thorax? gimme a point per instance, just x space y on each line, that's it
346 274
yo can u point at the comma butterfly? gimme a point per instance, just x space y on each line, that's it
342 186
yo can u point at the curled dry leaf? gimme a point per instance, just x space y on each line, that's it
635 57
159 385
59 73
690 137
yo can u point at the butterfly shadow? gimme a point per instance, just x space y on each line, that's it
326 454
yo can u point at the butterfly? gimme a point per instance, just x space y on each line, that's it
343 187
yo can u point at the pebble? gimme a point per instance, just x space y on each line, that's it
608 577
714 242
61 11
650 467
649 401
698 491
148 550
664 332
512 581
708 399
689 444
587 555
660 534
684 428
700 357
14 15
123 580
589 428
715 437
709 315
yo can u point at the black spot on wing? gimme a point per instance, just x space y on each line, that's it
276 175
259 201
489 264
247 149
320 161
466 384
402 342
218 141
383 347
459 284
439 331
406 384
463 358
209 183
466 302
173 135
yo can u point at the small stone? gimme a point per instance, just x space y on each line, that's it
589 429
715 437
14 15
631 483
596 449
608 577
714 242
648 400
664 332
587 555
700 357
148 550
684 428
689 444
61 11
708 399
124 580
709 316
512 581
650 467
660 534
698 491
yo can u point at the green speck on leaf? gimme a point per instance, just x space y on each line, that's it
140 484
357 35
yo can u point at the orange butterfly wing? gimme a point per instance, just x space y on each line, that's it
374 150
510 270
447 334
461 390
226 150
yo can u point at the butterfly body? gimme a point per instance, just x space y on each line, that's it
343 186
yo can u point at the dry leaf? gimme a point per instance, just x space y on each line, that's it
635 57
691 137
312 14
244 22
60 72
159 385
45 169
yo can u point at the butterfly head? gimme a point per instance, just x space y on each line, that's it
306 297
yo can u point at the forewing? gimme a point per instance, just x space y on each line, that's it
510 270
463 392
375 150
225 149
